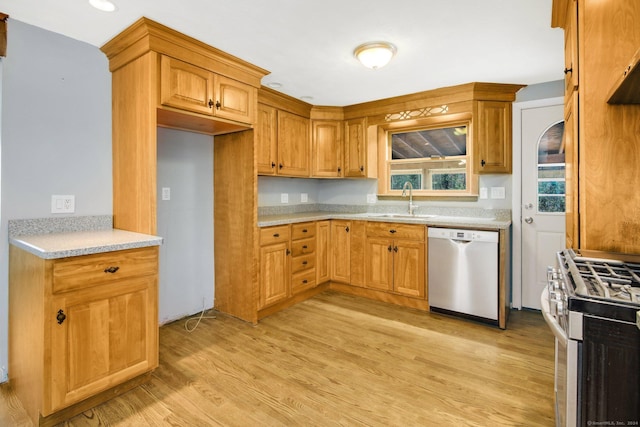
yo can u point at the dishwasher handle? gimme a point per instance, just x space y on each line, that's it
460 241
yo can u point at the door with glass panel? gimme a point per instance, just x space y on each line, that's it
543 197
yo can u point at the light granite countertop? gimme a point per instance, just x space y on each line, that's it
488 223
51 238
76 243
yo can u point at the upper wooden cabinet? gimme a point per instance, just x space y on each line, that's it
187 87
492 137
601 140
283 135
355 148
293 145
161 77
571 64
326 151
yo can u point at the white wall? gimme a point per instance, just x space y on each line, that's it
185 165
56 133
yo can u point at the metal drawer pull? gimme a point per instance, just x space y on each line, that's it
111 269
304 230
304 281
392 231
276 235
304 247
304 262
60 317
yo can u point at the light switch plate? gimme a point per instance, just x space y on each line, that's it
497 193
372 198
166 193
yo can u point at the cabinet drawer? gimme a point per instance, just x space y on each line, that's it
303 247
302 231
303 280
396 230
271 235
303 262
89 270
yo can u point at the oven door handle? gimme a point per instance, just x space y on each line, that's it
557 330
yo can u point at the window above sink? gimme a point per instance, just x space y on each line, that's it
433 155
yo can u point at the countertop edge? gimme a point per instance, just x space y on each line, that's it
442 221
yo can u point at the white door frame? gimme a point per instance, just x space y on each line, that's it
516 199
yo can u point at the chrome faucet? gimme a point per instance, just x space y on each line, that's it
404 193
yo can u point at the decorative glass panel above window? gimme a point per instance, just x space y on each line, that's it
434 160
551 170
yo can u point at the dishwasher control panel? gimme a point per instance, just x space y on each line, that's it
458 234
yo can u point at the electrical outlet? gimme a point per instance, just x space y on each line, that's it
483 193
371 198
304 198
284 198
63 204
3 375
166 193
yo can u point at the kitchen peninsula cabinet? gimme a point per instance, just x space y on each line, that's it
187 87
601 38
83 329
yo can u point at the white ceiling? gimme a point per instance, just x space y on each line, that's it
308 45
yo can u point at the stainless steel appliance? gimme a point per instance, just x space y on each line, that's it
592 305
463 272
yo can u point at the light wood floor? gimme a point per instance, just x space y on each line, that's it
338 360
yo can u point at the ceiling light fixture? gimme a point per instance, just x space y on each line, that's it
375 54
103 5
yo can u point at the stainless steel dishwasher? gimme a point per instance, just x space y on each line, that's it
463 272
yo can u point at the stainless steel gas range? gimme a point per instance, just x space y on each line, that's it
592 305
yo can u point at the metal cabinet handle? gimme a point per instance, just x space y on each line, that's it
288 252
361 168
568 70
60 317
273 165
304 247
389 248
304 262
218 105
395 249
276 235
528 220
210 103
346 229
111 269
392 231
280 165
304 281
482 163
304 230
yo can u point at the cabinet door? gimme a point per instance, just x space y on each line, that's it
293 145
570 144
266 142
234 100
379 256
571 48
409 268
323 272
492 137
327 148
186 86
358 242
340 251
274 274
355 146
109 335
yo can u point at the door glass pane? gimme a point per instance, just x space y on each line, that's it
551 170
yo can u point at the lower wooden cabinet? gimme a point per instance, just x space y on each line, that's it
395 258
323 262
80 326
340 251
274 276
